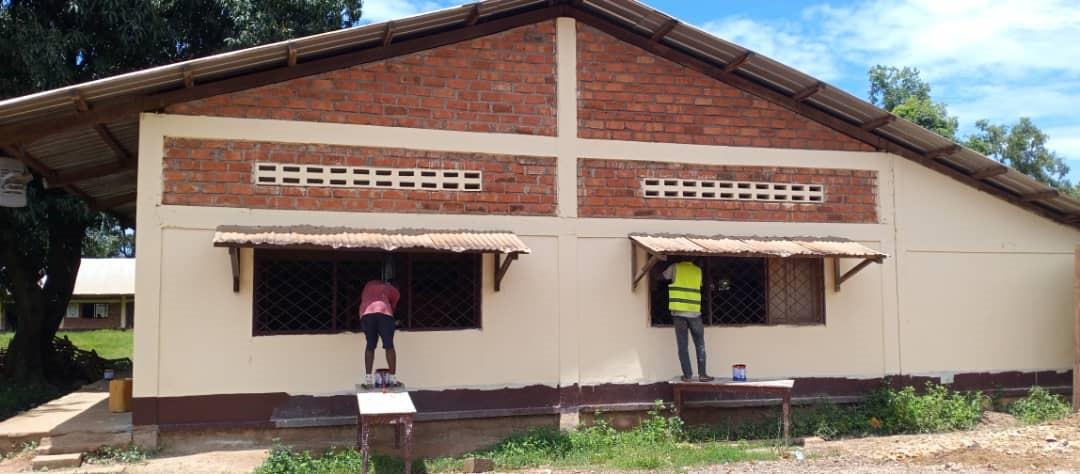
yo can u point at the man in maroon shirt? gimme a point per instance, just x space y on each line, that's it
377 303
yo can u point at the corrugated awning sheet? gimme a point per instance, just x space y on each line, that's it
388 240
755 246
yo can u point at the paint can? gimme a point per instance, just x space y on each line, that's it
382 378
738 372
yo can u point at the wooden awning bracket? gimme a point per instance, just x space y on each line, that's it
635 274
501 266
234 261
839 279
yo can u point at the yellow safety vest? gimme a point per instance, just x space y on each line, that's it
684 293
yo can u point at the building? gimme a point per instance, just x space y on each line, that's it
104 295
526 166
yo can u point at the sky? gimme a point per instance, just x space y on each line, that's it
986 59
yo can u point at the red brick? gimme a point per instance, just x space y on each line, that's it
670 103
512 184
612 188
434 89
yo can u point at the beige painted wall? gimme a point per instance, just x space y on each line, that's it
566 314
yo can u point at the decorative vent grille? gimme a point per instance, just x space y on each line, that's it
732 190
279 174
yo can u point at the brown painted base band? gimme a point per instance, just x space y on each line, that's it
278 409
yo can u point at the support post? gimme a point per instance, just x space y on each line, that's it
653 260
234 260
501 266
838 278
123 311
1076 332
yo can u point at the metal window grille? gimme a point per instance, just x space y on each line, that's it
279 174
745 291
315 292
673 188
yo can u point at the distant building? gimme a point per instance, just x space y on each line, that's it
104 295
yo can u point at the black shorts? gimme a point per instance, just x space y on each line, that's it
376 325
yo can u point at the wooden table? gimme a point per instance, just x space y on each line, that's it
392 407
774 387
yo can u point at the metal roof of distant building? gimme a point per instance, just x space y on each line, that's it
105 276
49 132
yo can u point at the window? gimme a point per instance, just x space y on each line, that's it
319 292
72 310
744 291
91 311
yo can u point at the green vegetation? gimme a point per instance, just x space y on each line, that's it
660 442
885 411
129 454
1039 406
108 343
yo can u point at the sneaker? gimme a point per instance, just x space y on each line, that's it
686 379
369 380
706 378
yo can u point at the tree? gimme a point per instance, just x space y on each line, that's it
1023 147
108 237
902 92
44 45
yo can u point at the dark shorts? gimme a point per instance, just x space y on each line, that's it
376 325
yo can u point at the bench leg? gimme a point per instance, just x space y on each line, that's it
787 419
408 445
365 447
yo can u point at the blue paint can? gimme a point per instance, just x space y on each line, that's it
738 372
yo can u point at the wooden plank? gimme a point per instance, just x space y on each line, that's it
24 156
943 152
850 273
737 62
290 55
388 34
805 109
189 77
87 173
1041 196
112 109
474 14
990 172
123 156
664 29
79 101
501 268
653 260
877 123
808 92
234 264
111 202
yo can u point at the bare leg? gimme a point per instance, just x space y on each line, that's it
369 361
391 360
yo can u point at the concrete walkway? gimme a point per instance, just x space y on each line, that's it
82 414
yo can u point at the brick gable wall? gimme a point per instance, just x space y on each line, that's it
612 188
219 173
626 93
502 83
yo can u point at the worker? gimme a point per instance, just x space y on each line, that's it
684 279
377 302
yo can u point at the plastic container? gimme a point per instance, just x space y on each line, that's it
738 372
120 395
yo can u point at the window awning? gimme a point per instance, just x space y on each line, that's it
505 245
659 247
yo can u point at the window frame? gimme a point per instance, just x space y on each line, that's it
339 326
819 274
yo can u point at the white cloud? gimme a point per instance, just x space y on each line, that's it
375 11
785 42
1066 141
1009 39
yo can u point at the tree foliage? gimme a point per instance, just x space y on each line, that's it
904 93
1023 147
48 44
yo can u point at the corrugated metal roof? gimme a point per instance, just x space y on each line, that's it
105 276
754 246
388 240
73 149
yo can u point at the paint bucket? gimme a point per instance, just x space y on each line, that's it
738 372
382 378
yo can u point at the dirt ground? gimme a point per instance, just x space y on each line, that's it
999 444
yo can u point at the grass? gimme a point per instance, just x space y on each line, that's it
658 443
129 454
109 343
1040 406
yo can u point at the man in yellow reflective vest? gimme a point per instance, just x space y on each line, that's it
684 301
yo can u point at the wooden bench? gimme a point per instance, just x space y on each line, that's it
783 388
392 407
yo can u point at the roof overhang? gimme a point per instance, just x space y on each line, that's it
658 247
84 137
506 246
